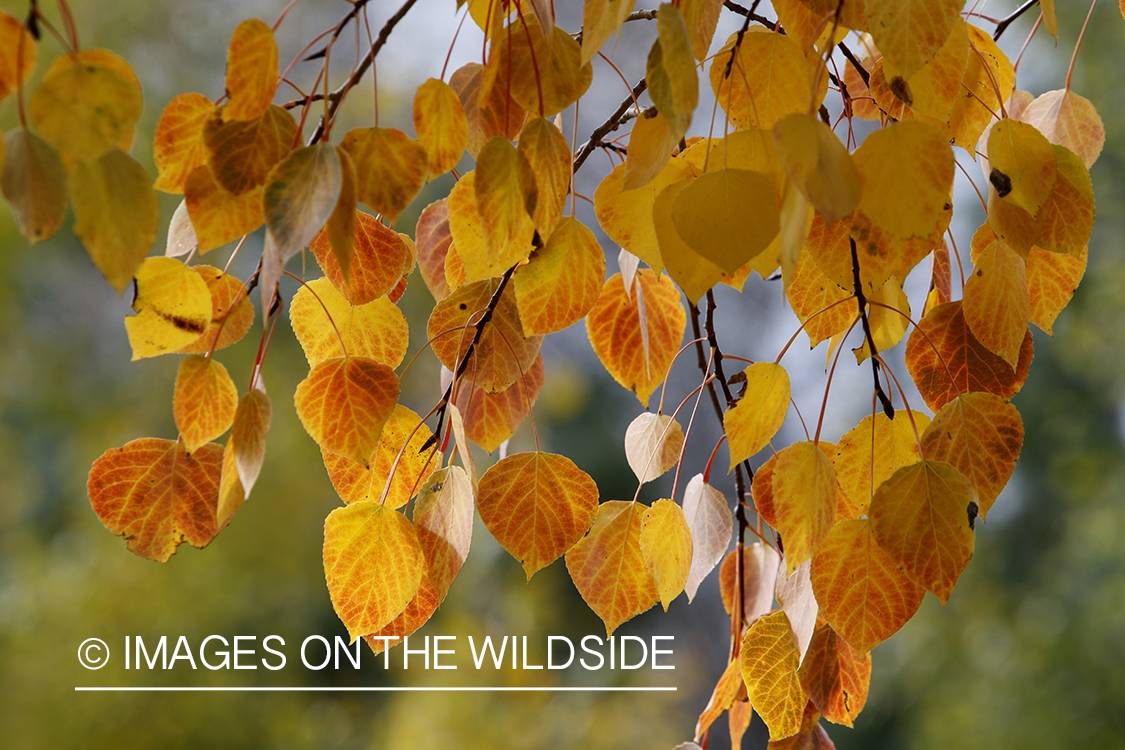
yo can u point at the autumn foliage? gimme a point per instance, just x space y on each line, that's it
847 537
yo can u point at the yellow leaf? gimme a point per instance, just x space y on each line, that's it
379 259
33 180
818 301
177 146
496 115
251 70
232 314
544 77
390 165
217 216
666 546
173 307
548 154
537 505
1067 119
933 90
443 518
204 401
862 593
321 316
417 612
600 20
702 18
504 188
1051 281
907 170
981 435
355 483
1023 164
1067 218
373 564
711 524
977 101
889 317
650 147
758 415
562 280
608 567
652 445
248 437
17 54
813 157
870 452
910 32
670 72
690 270
711 216
344 403
439 121
467 226
241 153
619 325
232 496
920 516
769 666
1050 19
804 500
996 304
340 229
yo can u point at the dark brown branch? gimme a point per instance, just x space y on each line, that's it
855 64
608 126
749 13
1004 23
888 408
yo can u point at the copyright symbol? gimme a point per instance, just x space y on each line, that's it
93 653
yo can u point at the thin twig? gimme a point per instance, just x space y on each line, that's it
888 408
611 124
1004 23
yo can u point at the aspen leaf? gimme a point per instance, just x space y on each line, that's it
173 306
344 403
672 81
738 720
1067 119
932 90
492 418
691 271
617 330
537 505
439 121
33 179
379 257
1051 281
417 612
433 238
561 281
652 445
888 315
457 427
651 144
945 359
869 453
1050 18
17 54
181 234
987 73
548 155
503 353
881 253
251 70
1067 218
373 564
811 735
819 164
702 18
666 546
608 567
503 187
496 115
710 215
546 77
711 524
116 214
769 78
862 593
600 20
1023 164
851 11
217 216
467 226
835 677
769 666
232 495
804 498
627 215
795 219
724 694
340 229
907 170
980 434
321 316
996 303
87 104
178 144
204 402
911 32
795 597
759 573
241 153
232 313
390 165
758 415
248 436
443 517
818 301
157 495
920 517
355 482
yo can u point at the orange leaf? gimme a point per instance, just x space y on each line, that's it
467 224
157 496
390 165
373 564
702 18
173 308
355 483
726 690
417 612
835 676
1067 218
561 282
1067 119
378 260
871 451
759 573
619 326
439 121
204 402
608 568
344 403
232 313
526 56
251 70
996 304
811 293
443 516
33 179
711 524
496 115
768 79
177 147
339 231
759 414
769 666
981 435
666 547
248 436
861 591
492 418
971 367
548 153
652 445
17 54
219 217
1051 281
804 500
537 505
502 355
433 238
321 317
920 517
811 735
241 153
987 70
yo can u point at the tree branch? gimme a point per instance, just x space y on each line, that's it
610 125
888 408
855 64
1004 23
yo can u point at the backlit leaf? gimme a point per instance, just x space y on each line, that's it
492 418
888 315
652 445
996 304
600 20
759 573
920 517
614 326
339 231
933 90
373 564
173 307
666 546
344 403
608 568
702 18
467 225
157 496
321 316
17 54
178 144
1067 119
651 144
758 415
868 454
984 74
204 402
1051 281
769 78
417 612
804 497
710 215
548 154
835 677
217 216
251 70
33 180
673 83
538 505
691 271
390 165
496 115
820 165
502 184
818 301
861 591
232 313
811 735
439 121
433 238
545 77
241 153
796 599
724 694
379 258
562 280
248 436
1023 164
443 517
1067 218
769 667
711 524
911 32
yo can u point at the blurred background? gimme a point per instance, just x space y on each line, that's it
1028 653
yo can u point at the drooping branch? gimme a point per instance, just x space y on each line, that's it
861 300
748 12
1003 24
620 115
855 63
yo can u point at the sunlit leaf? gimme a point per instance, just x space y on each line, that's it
321 316
496 115
443 518
768 79
666 546
702 18
417 612
17 54
390 165
818 301
932 90
652 445
548 155
711 524
241 153
340 230
868 454
726 690
173 307
379 257
996 304
562 281
217 216
204 402
433 238
804 497
178 143
988 72
759 574
544 77
344 403
1067 218
758 415
251 70
1023 164
820 165
769 667
1052 279
248 437
508 219
888 316
811 735
673 83
600 20
503 188
181 234
835 677
1067 119
492 418
795 597
33 179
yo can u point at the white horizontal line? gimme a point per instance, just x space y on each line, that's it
534 689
